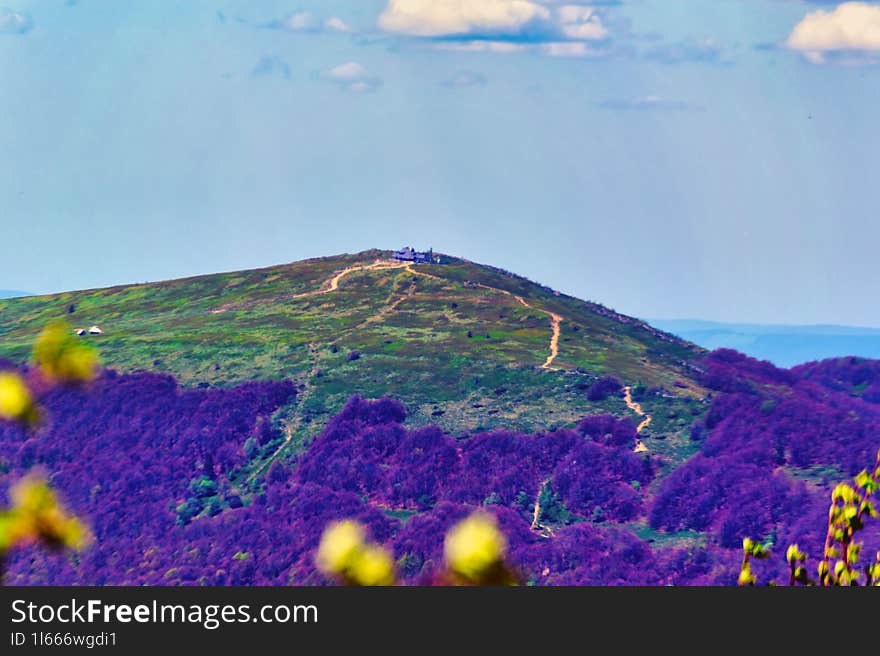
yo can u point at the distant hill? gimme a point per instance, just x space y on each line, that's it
11 293
784 346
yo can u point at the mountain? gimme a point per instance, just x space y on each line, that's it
241 413
783 345
465 346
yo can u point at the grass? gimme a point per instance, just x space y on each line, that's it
677 539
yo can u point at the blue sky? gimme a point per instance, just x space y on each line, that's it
699 158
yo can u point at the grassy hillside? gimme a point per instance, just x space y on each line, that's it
465 346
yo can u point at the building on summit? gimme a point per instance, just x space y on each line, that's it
408 254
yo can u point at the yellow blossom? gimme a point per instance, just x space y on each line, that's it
37 514
372 566
339 546
62 357
16 402
345 554
474 546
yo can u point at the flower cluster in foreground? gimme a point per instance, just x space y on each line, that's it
474 552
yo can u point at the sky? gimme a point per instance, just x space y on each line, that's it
712 159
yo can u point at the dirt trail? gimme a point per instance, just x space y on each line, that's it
537 513
390 306
637 408
328 286
409 268
332 285
291 428
555 321
540 528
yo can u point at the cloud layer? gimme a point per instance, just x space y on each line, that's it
306 21
853 26
352 76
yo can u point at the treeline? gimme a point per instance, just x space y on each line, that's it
154 469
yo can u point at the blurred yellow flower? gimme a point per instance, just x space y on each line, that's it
62 357
36 514
372 566
16 402
339 547
474 546
345 554
9 530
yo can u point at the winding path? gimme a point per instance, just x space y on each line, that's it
555 321
546 531
637 408
331 285
293 426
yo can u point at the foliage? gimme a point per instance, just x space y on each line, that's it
850 506
603 388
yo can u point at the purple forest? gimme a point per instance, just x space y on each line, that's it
151 467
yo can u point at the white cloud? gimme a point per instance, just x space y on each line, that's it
347 71
852 26
352 76
299 22
306 21
501 26
337 25
581 23
432 18
14 22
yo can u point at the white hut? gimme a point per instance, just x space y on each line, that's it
94 330
80 331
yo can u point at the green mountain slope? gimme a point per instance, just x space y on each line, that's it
466 346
